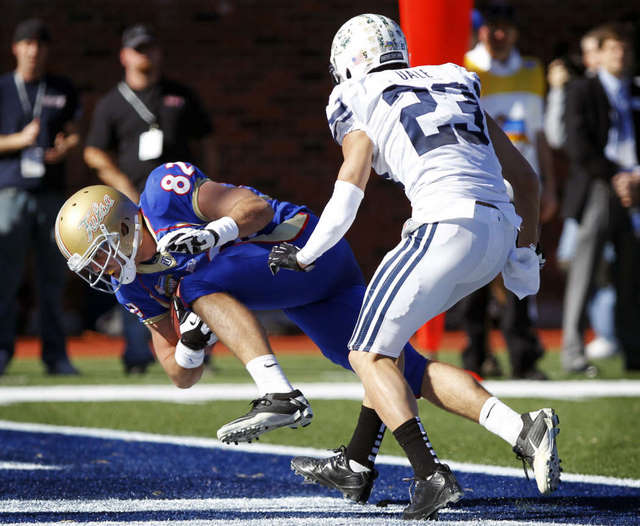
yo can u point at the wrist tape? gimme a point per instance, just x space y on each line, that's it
188 358
225 228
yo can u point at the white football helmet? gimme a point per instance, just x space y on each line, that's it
366 42
98 232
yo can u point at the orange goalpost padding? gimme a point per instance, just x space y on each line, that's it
429 336
437 31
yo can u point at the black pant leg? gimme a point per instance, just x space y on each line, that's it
627 284
474 310
523 344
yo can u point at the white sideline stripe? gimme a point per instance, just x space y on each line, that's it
274 449
565 390
296 522
246 505
25 466
346 518
345 510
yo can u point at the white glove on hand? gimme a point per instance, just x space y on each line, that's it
521 274
188 241
192 241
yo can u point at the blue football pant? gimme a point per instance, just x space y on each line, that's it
324 302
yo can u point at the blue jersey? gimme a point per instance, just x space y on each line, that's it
170 201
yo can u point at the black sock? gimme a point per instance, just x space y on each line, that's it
367 437
413 439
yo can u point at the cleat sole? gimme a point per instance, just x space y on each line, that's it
433 515
552 464
359 497
253 432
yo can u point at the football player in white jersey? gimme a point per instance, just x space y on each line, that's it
423 127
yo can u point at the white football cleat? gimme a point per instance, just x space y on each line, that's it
272 411
536 446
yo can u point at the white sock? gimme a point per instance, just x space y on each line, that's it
268 376
501 420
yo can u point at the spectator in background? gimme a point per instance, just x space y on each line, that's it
142 122
558 75
512 93
37 115
476 23
590 48
602 302
601 120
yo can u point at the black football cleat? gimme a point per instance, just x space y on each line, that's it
272 411
432 494
536 446
335 473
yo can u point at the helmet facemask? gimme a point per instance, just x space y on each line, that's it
104 254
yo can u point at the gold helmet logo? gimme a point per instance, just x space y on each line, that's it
96 213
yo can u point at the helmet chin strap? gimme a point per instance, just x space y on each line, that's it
128 272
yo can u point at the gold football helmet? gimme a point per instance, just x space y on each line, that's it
98 232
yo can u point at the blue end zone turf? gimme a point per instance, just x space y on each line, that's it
218 485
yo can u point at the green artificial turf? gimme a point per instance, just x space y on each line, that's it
598 436
227 369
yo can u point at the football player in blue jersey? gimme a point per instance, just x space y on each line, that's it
112 243
423 128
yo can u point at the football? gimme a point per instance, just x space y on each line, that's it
174 316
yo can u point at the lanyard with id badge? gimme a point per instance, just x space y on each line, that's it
150 141
32 157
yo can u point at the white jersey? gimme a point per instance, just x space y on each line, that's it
429 134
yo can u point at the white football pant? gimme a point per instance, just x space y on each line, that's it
429 271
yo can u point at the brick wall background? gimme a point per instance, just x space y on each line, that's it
261 68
